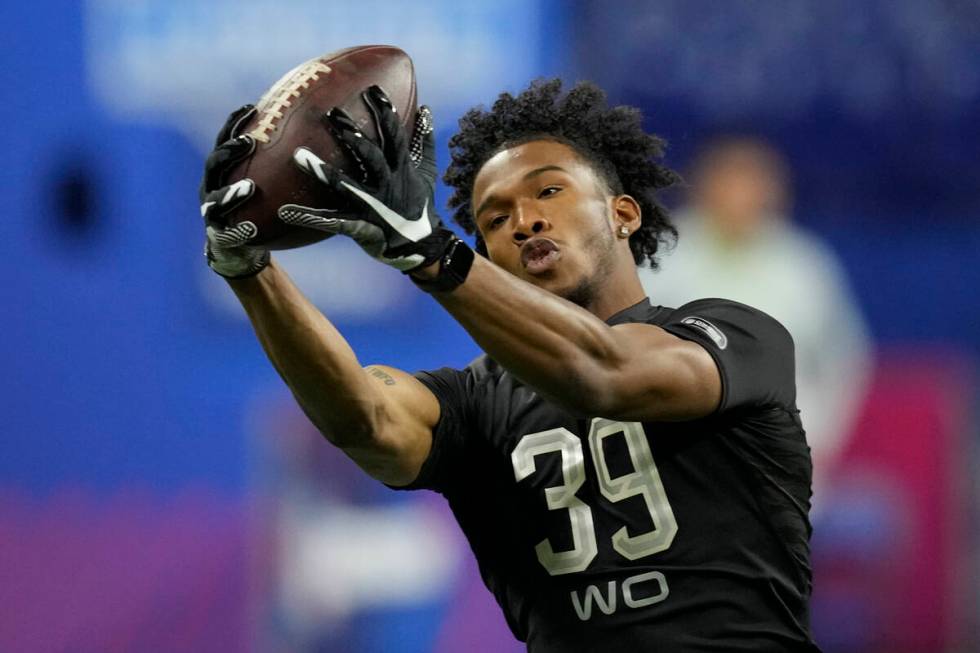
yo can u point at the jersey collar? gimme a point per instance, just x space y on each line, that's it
641 311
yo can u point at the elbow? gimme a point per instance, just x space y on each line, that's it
355 429
345 436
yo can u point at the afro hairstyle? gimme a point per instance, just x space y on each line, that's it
610 139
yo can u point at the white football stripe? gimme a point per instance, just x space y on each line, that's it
413 230
205 207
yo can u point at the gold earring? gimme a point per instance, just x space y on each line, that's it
624 231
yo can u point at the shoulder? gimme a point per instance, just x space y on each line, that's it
720 319
479 370
483 368
466 389
754 352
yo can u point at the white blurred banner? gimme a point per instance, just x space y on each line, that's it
190 63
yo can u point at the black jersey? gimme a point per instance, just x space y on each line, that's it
603 535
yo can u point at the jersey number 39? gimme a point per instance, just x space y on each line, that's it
644 480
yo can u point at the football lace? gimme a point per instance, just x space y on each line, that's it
280 96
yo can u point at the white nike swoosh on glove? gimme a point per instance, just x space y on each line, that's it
413 230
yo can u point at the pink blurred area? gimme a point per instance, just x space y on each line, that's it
473 622
891 549
131 572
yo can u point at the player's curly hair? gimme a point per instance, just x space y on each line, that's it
612 140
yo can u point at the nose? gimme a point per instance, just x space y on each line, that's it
528 222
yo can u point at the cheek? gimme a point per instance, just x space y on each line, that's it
497 252
591 218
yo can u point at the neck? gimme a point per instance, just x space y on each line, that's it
618 292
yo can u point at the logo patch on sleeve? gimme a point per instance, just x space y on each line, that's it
710 329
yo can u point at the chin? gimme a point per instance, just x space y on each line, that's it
580 291
550 281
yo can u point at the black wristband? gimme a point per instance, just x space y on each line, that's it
454 265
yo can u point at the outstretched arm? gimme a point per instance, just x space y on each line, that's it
379 416
631 371
634 371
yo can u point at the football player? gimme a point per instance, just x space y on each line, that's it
630 477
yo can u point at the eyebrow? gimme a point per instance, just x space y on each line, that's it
530 175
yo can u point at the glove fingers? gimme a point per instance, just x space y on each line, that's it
376 115
232 237
236 119
323 220
311 164
390 130
222 159
422 150
363 151
221 201
370 237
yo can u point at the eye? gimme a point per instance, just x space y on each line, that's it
547 191
496 221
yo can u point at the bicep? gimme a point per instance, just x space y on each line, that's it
658 376
408 412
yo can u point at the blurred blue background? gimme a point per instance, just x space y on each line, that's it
136 476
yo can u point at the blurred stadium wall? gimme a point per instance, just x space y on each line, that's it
140 505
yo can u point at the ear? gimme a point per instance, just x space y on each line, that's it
626 212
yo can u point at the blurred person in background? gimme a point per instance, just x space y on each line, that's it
737 241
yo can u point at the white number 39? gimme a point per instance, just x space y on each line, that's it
644 480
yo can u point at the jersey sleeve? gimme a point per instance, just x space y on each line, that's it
753 351
445 458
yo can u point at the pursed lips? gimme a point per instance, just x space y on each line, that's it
537 254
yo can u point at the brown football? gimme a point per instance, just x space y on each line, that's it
288 116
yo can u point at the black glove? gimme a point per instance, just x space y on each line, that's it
399 225
227 248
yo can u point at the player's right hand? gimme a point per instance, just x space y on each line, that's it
397 224
227 248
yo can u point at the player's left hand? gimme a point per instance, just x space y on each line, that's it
228 249
399 225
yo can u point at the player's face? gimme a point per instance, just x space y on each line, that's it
544 216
